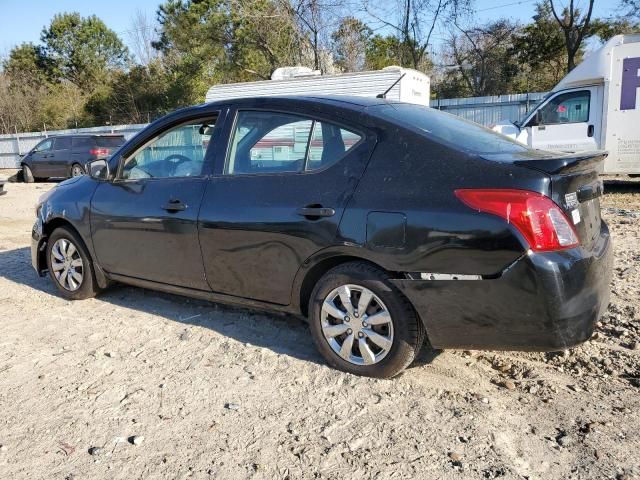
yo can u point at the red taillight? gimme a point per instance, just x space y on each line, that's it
99 151
538 218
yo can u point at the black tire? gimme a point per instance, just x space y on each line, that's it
27 174
76 170
409 333
88 288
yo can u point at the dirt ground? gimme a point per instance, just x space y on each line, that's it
216 392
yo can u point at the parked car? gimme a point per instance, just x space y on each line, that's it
381 222
67 155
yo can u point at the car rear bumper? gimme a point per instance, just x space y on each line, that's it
543 302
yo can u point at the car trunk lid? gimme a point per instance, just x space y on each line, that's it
574 186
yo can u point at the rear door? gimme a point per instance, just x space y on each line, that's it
277 200
568 122
60 158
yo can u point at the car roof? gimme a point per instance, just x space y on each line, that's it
346 101
87 135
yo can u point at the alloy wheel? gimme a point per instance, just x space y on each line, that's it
77 171
67 264
357 325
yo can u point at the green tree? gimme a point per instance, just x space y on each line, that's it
82 50
382 51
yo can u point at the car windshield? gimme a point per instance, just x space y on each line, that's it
109 141
447 128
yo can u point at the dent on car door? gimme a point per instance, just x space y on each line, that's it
286 181
144 223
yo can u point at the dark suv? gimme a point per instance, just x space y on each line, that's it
67 155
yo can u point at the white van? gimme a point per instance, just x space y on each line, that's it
401 84
595 107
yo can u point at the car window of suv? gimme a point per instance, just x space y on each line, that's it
80 143
44 146
272 142
62 143
177 152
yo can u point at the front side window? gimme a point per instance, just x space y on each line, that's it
177 152
44 146
572 107
270 142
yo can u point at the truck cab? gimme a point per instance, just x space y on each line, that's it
595 107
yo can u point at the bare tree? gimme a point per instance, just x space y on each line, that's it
574 25
142 34
349 43
316 19
481 57
413 22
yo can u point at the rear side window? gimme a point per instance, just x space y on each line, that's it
109 142
271 142
62 143
82 143
452 130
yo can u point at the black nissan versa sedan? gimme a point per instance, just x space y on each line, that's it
381 222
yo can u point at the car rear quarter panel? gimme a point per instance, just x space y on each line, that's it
412 178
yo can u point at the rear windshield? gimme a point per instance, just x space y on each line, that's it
447 128
109 141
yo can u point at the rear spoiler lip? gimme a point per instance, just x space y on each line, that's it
569 163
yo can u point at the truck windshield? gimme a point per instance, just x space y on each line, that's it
447 128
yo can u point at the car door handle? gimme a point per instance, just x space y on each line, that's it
316 212
174 205
590 131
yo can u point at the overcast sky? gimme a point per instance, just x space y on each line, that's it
23 20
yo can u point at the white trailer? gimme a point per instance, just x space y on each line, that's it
595 107
410 85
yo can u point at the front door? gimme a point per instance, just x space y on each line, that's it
144 223
40 158
278 200
568 122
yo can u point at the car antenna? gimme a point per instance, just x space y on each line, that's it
384 95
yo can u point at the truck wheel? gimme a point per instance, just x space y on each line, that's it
362 324
77 170
70 266
27 174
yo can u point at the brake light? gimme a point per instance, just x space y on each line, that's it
542 223
99 151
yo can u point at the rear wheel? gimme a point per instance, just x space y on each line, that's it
27 174
70 266
77 170
362 324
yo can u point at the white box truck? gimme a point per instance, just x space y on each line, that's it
595 107
403 84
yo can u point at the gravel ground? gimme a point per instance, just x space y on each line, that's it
136 384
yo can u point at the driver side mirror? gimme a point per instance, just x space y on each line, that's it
98 169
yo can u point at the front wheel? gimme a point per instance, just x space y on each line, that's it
27 174
70 266
362 324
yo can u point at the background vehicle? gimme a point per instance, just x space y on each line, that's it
339 209
67 155
595 107
403 84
